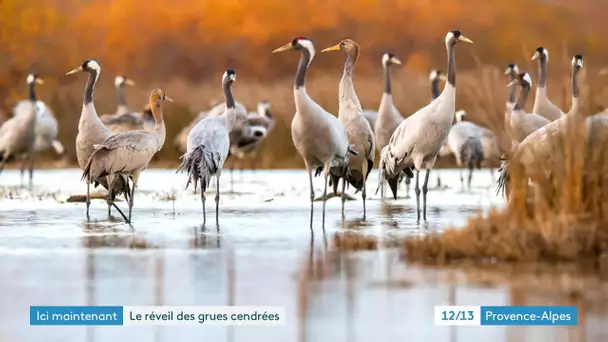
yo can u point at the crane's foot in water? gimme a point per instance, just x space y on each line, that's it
332 195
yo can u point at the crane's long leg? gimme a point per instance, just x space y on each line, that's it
417 190
461 179
407 186
343 198
88 200
493 176
470 177
364 195
112 193
23 163
217 199
132 199
326 175
31 169
312 196
110 199
203 201
231 177
425 189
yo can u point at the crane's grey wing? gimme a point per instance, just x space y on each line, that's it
131 141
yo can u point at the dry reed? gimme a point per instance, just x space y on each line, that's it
558 216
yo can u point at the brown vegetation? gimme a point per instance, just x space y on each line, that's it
559 218
185 45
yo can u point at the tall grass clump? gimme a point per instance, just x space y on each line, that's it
556 211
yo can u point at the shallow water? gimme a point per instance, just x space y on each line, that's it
261 255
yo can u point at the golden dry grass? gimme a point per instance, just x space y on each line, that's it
558 217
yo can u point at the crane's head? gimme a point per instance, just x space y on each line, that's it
301 44
460 114
34 79
90 65
541 53
436 75
512 70
577 61
228 77
453 37
157 96
120 81
389 59
347 45
523 79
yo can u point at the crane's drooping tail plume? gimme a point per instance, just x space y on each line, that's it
388 174
471 153
503 179
200 163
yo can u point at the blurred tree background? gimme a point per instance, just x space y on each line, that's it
183 46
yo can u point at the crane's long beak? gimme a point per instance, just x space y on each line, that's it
39 81
332 48
129 81
395 61
283 48
74 70
167 98
507 71
465 39
535 56
512 83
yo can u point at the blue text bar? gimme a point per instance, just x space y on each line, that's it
76 315
529 315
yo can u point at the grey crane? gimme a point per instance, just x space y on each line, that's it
418 139
209 145
318 136
91 132
519 124
127 154
542 105
260 123
536 145
18 134
47 129
388 115
358 130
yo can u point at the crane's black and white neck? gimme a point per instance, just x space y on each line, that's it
577 65
119 83
512 71
434 77
94 69
451 39
542 55
388 59
227 79
32 80
307 50
525 82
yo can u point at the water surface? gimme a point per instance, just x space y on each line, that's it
262 254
